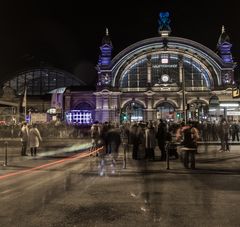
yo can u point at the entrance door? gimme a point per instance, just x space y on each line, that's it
166 111
132 112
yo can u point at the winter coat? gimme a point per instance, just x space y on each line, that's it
150 138
24 133
34 137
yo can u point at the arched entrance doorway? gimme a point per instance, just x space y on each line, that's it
197 111
166 111
132 111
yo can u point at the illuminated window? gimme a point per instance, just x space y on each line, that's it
79 117
164 59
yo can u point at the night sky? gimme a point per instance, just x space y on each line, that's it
67 34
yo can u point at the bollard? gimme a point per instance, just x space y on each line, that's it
124 157
167 156
5 155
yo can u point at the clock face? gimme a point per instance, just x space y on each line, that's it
165 78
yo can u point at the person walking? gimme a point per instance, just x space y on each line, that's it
24 134
95 136
114 141
34 139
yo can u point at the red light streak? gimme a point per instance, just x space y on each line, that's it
71 158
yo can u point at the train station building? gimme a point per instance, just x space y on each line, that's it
166 77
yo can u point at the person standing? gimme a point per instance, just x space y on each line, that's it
224 133
24 134
189 135
235 131
150 137
34 139
161 139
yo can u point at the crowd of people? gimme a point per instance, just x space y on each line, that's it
144 137
141 137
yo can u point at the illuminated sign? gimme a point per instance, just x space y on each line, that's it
235 92
165 66
52 111
233 113
229 104
164 60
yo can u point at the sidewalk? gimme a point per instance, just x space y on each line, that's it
57 148
208 160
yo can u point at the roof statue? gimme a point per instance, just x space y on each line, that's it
164 22
224 37
106 39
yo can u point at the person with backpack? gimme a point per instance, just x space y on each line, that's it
189 136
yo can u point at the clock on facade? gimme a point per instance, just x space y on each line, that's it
165 78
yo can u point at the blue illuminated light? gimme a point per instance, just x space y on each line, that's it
164 21
225 52
106 55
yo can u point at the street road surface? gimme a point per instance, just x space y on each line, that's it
95 192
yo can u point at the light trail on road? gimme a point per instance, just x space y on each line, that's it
74 147
68 159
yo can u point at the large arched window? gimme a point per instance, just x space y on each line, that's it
132 111
40 81
163 69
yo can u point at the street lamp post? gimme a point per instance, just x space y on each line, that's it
182 76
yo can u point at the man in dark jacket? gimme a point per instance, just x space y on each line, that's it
161 138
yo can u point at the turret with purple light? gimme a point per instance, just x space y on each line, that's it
224 50
104 61
106 50
224 47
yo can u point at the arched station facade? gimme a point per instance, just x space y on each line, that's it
163 77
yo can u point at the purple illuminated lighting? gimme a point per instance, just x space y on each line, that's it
106 54
79 117
225 52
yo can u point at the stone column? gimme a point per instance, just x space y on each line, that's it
149 111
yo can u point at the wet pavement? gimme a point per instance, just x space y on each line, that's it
95 191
